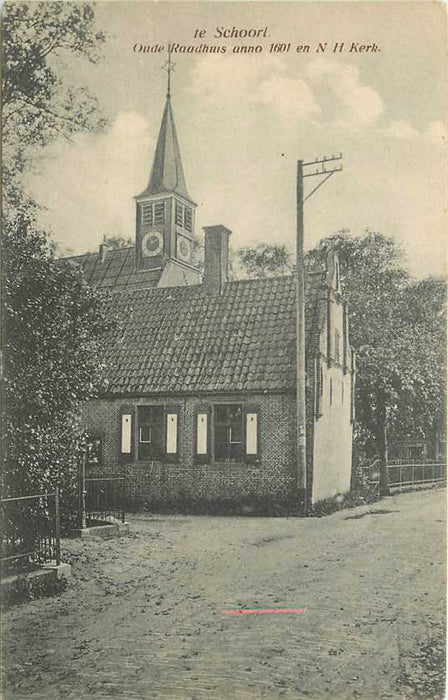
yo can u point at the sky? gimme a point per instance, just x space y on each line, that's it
244 119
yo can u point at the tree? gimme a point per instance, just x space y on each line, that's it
421 342
117 242
38 106
397 326
264 260
55 327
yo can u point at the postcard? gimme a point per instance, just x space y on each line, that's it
224 349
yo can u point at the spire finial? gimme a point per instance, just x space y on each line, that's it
169 67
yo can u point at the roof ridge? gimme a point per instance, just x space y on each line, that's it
83 255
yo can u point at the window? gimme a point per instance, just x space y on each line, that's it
93 451
188 219
159 213
228 433
150 438
147 214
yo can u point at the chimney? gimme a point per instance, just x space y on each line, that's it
216 257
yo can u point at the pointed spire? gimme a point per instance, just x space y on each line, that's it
167 174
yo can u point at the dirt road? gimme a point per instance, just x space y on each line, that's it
143 615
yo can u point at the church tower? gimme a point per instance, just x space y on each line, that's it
165 216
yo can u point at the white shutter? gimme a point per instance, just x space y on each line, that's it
201 434
251 434
171 433
126 433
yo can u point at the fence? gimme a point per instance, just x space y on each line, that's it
102 498
30 531
406 473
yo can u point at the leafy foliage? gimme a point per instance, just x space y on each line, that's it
117 242
397 326
264 260
55 327
37 105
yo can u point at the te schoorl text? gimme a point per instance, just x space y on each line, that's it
234 33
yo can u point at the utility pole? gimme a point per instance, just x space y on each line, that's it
302 486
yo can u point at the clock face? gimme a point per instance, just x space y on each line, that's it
152 243
183 249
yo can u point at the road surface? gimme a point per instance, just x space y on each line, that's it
143 616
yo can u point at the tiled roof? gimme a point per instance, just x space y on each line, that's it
116 272
187 339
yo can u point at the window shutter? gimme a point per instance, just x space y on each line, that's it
252 436
202 435
171 431
126 432
147 217
188 219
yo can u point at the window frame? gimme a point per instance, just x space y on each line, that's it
210 457
156 444
227 424
163 455
95 444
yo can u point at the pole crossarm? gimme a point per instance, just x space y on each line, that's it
324 159
321 170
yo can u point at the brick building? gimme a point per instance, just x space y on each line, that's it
201 403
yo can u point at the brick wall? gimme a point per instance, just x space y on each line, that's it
184 480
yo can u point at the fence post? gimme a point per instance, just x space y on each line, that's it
57 526
83 490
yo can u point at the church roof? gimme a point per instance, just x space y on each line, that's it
189 340
167 174
116 270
